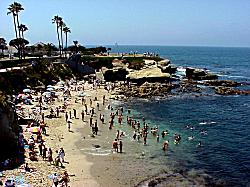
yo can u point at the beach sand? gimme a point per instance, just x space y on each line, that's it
83 169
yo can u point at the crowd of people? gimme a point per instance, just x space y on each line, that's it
92 112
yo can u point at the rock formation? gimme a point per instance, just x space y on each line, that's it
199 74
9 129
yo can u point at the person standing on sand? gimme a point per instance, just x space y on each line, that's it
44 152
120 145
55 179
61 154
50 158
43 117
69 125
82 113
65 178
66 116
115 145
74 113
70 114
103 100
90 102
40 146
95 127
86 109
57 112
90 121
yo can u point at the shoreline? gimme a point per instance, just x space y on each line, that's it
92 167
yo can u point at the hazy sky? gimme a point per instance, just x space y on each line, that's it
137 22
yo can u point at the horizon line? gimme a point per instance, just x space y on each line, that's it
163 45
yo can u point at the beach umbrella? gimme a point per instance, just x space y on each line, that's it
34 129
46 93
27 90
20 95
50 89
24 185
60 83
18 105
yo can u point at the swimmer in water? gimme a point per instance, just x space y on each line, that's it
190 138
165 146
199 144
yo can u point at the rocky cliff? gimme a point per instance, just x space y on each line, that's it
9 129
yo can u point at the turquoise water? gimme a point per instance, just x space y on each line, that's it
225 153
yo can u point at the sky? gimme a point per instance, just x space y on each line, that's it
135 22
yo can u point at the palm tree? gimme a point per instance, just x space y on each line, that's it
12 10
19 8
56 20
66 30
62 25
22 28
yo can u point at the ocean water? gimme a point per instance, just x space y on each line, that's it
225 150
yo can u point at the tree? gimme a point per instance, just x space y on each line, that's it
3 44
66 30
12 10
49 47
19 8
56 20
62 25
19 43
22 28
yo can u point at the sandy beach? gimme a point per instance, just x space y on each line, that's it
76 163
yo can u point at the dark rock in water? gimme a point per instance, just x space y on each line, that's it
199 74
165 67
225 83
221 90
168 69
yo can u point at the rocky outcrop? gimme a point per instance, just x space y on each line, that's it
225 83
199 74
166 67
150 74
221 90
117 74
146 90
9 130
74 62
169 69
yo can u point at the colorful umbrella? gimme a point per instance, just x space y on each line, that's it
34 129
